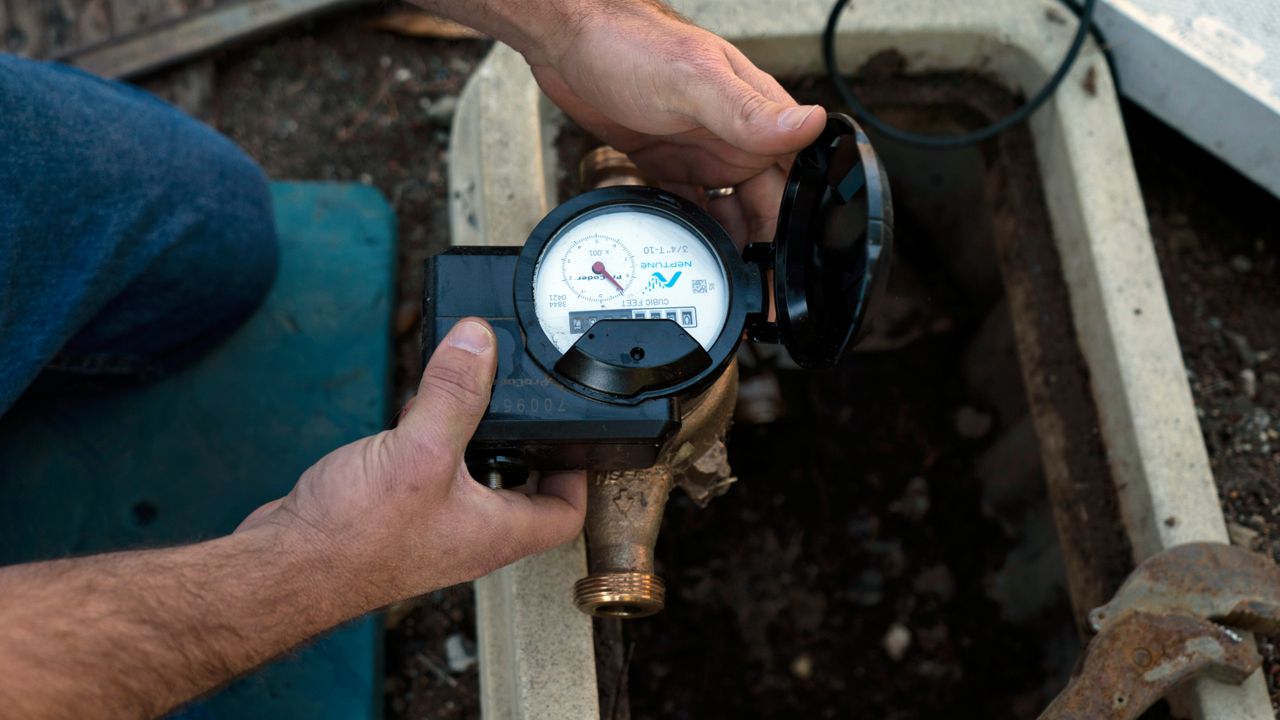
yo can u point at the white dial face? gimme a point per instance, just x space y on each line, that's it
629 263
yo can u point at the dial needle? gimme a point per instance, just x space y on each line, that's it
598 269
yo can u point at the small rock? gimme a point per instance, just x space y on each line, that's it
1249 383
896 641
1241 264
286 127
442 109
1241 536
1242 347
972 423
914 503
802 666
459 653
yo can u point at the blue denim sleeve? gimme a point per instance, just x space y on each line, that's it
130 234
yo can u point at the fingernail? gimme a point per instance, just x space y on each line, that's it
470 336
793 118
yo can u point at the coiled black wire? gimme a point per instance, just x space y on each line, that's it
963 139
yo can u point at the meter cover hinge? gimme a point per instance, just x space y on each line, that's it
759 257
759 253
764 332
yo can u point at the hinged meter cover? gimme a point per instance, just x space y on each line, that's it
830 253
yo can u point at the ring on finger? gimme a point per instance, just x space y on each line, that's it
720 192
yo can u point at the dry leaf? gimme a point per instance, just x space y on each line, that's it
416 23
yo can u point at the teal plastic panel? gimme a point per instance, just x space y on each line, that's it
189 456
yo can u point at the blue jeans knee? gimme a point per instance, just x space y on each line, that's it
132 237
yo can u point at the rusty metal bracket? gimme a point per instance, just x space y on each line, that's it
1141 657
1173 620
1206 580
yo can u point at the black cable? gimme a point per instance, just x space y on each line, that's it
963 139
1101 39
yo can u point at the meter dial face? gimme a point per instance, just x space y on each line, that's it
593 258
629 262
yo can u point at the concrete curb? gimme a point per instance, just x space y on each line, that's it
537 656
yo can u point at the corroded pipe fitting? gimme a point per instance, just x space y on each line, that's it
624 507
605 167
624 514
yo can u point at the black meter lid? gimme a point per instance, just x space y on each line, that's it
830 254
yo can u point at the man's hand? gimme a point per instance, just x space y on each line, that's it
133 634
400 510
690 109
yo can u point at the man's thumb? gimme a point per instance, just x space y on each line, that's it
747 119
455 387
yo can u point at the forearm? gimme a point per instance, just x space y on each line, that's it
386 517
134 634
538 29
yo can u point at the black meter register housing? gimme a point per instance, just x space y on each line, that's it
627 301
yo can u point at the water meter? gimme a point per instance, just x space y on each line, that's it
627 302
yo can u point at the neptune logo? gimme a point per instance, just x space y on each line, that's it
657 280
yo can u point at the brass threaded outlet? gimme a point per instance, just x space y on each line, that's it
607 167
620 594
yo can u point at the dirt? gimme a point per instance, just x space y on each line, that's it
853 573
845 529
